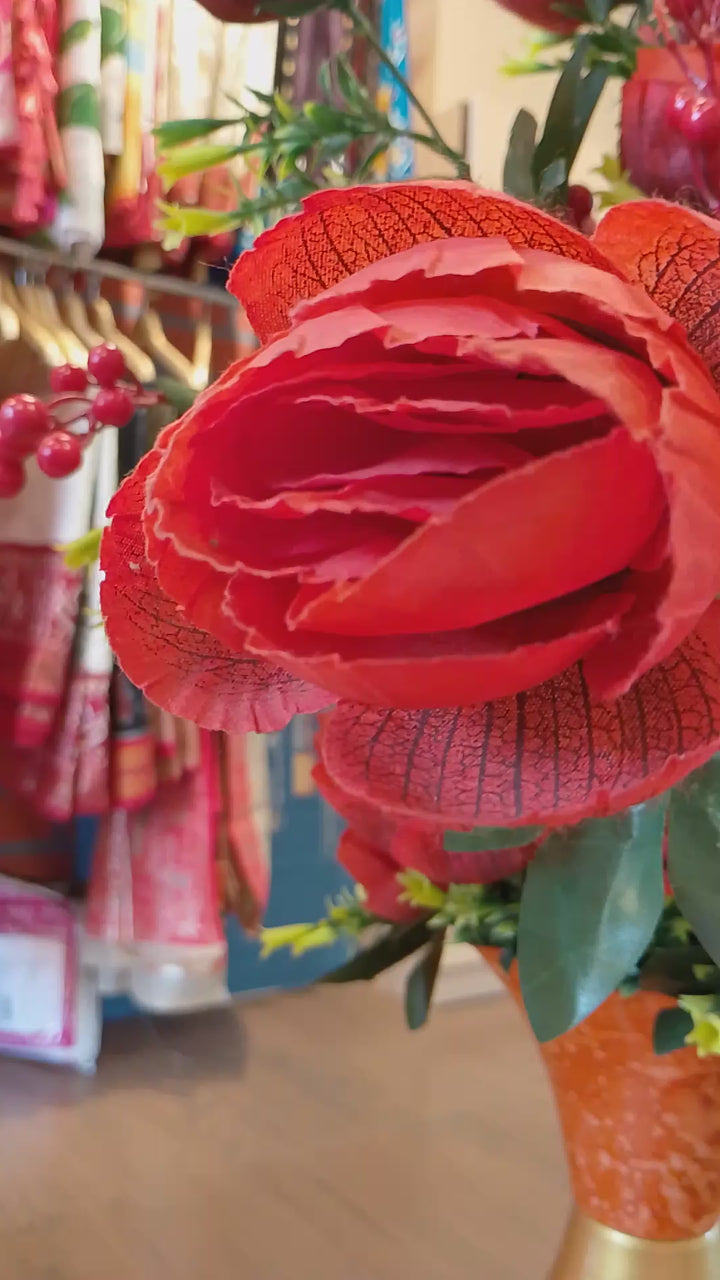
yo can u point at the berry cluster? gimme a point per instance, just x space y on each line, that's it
103 395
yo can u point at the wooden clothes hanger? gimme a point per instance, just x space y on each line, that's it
31 331
40 301
74 313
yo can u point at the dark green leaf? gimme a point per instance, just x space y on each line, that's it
598 11
553 179
175 132
78 105
575 98
591 900
483 838
694 853
352 90
76 33
325 83
397 944
671 1028
297 8
421 983
518 171
177 394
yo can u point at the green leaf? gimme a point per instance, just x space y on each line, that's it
76 33
174 132
397 943
177 394
421 983
481 839
591 900
694 853
554 178
670 1030
298 8
598 11
78 105
518 171
573 102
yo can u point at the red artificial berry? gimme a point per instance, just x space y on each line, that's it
59 454
678 106
113 407
106 364
12 477
699 120
580 202
23 421
69 377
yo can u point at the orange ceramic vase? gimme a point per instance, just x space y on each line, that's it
642 1136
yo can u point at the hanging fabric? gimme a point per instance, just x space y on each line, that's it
113 73
79 224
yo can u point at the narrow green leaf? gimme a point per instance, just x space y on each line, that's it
592 898
671 1028
518 171
553 179
421 983
177 394
76 33
483 838
694 853
296 8
575 98
175 132
397 944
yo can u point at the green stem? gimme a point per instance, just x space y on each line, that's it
363 27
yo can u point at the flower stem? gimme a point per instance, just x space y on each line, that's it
363 27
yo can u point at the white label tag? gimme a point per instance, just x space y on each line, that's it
32 986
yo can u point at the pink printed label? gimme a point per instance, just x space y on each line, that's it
38 966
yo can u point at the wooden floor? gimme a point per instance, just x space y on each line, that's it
306 1137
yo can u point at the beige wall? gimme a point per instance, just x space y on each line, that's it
457 48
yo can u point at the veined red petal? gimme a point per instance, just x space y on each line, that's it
179 667
551 755
341 231
674 254
439 669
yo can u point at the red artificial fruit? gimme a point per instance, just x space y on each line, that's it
663 143
471 485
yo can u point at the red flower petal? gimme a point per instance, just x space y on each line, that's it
340 232
444 668
551 755
181 668
674 254
526 537
377 872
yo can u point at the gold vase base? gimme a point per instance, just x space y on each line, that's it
591 1251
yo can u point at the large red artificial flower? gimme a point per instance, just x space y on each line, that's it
470 455
376 847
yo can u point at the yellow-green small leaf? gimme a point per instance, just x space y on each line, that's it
285 935
83 551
